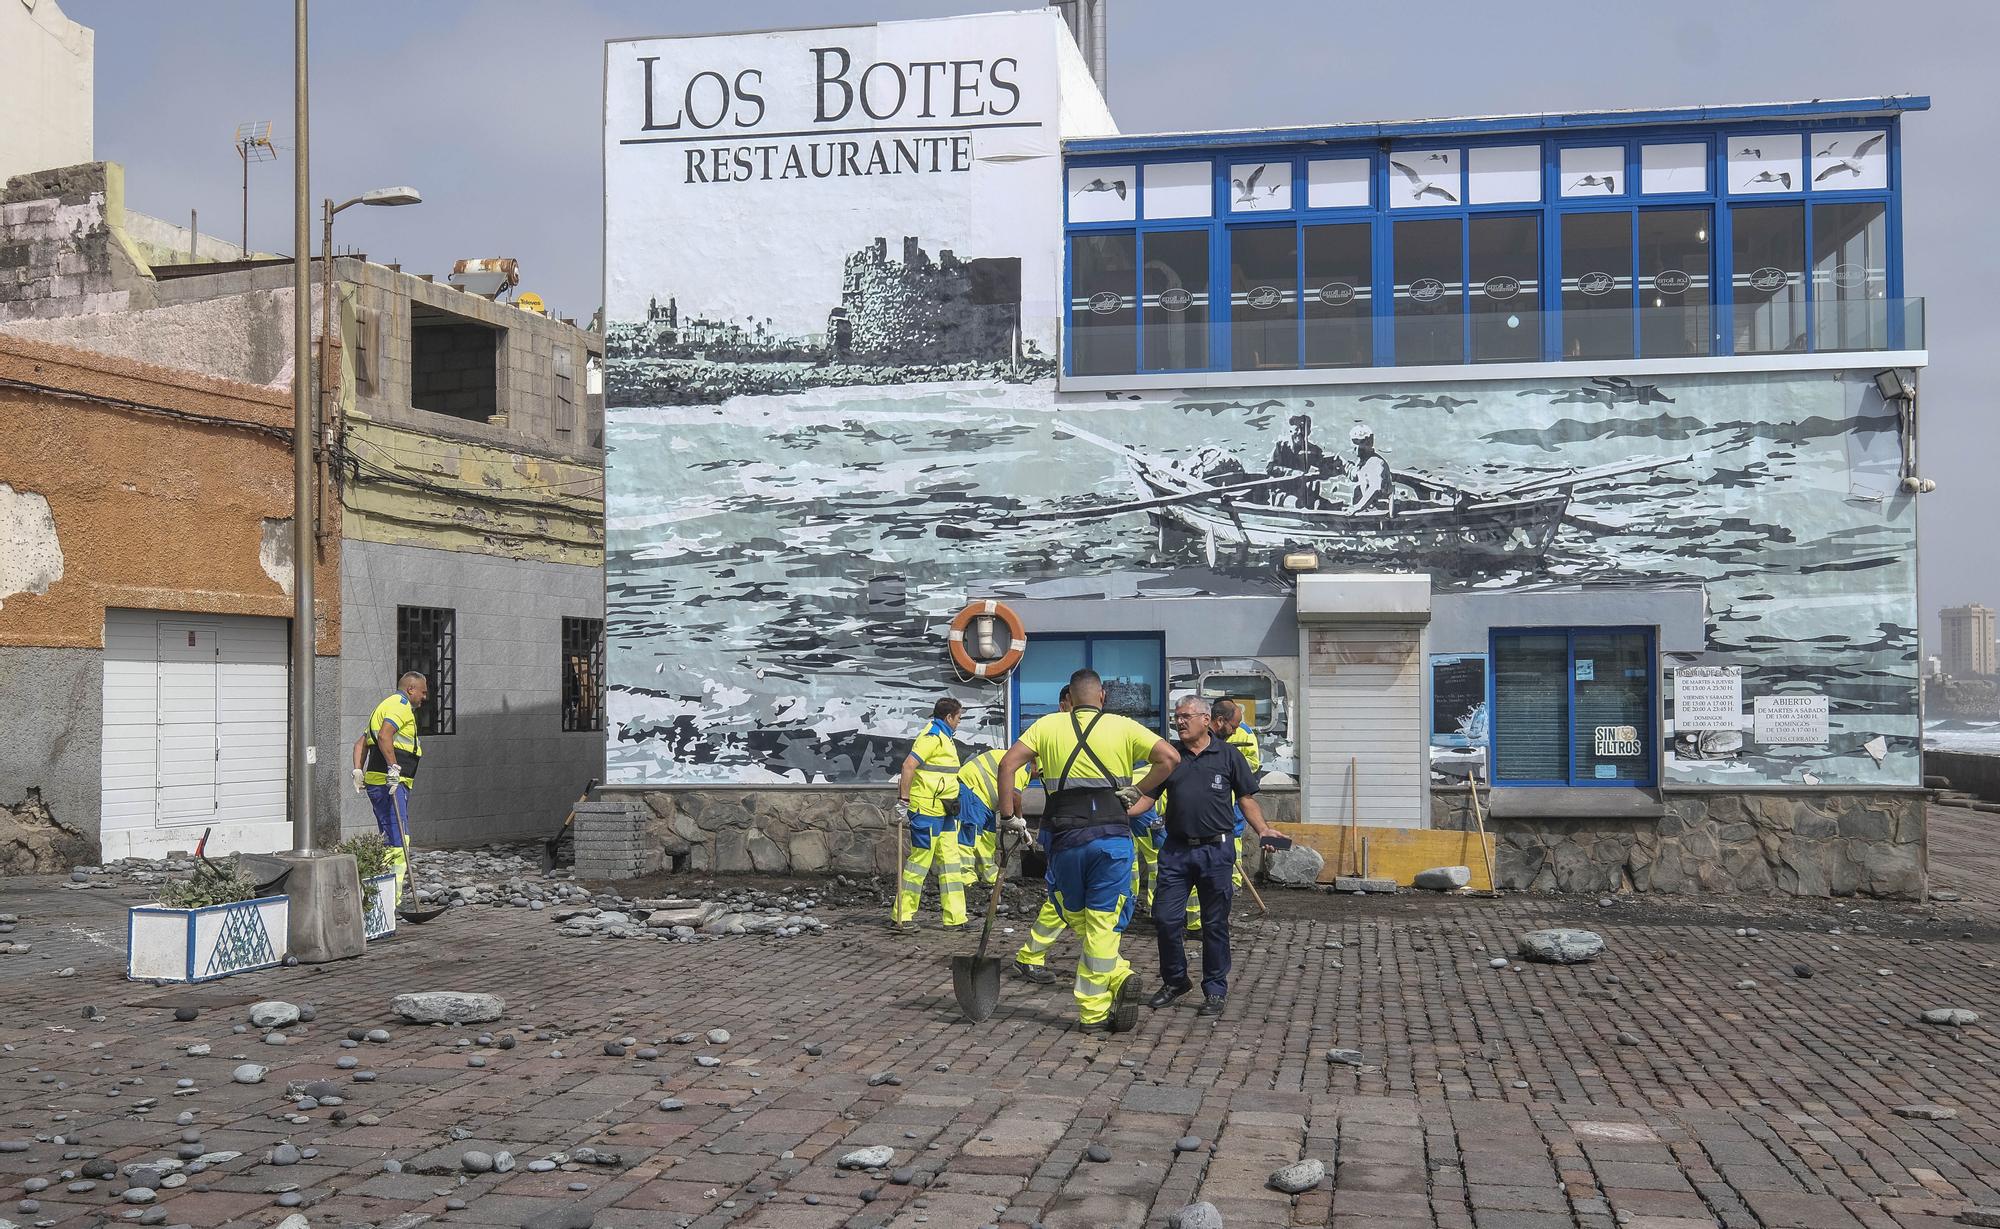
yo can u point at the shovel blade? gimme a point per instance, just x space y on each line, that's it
976 982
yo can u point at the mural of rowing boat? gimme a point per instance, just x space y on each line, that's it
1431 522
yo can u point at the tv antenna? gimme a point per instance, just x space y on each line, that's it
253 144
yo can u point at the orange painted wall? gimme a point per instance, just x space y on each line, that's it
151 512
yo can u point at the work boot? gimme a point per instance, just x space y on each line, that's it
1168 994
1035 973
903 928
1125 1007
1095 1026
1211 1006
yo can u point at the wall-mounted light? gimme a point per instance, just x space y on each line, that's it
1896 384
1301 561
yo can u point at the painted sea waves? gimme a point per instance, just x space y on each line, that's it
782 566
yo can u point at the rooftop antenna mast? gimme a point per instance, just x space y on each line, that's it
253 144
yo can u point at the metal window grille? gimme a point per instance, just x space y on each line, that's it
565 391
582 674
427 642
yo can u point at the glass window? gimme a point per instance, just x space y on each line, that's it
1597 285
1531 707
1339 310
427 642
1673 283
582 674
1573 706
1134 670
1043 673
1504 292
1103 294
1614 707
1263 297
1767 252
1176 308
1430 295
1850 276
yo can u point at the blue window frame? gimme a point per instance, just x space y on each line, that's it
1134 666
1487 248
1573 706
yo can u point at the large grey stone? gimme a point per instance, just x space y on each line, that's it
1298 866
1953 1016
447 1007
1299 1176
1197 1216
1443 878
1562 945
868 1158
273 1013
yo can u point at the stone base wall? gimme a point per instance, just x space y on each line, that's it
1720 844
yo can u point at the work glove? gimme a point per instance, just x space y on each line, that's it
359 786
395 775
1128 794
1017 824
902 812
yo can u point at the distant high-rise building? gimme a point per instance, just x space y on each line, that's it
1085 19
1966 645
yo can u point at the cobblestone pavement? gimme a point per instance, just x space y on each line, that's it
1644 1089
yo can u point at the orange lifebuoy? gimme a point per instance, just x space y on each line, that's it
1017 642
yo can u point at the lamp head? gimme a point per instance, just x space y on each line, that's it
400 195
1896 384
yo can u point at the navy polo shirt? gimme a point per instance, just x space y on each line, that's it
1203 789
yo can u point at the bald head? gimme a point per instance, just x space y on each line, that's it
1086 689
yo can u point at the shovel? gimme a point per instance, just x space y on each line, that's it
975 979
554 843
414 916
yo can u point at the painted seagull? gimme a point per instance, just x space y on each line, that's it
1246 189
1438 158
1747 152
1783 178
1852 164
1607 182
1421 187
1100 185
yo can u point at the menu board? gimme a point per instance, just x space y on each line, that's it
1708 698
1458 700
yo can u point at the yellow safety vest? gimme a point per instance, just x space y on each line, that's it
1243 740
981 775
409 747
936 778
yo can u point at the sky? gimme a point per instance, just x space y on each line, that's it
492 108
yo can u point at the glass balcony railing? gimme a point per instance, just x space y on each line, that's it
1107 340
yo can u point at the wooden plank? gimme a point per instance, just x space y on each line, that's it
1395 853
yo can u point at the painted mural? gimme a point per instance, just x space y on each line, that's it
781 566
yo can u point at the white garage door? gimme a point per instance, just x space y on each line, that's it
195 722
1364 732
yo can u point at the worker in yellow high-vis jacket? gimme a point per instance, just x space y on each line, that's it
978 795
927 801
1088 819
386 756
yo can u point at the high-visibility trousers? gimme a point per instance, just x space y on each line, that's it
1042 936
392 820
933 839
1092 891
1145 868
978 839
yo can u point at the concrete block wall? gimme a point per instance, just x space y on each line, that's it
454 369
61 253
510 772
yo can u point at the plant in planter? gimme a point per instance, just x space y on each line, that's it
207 926
378 883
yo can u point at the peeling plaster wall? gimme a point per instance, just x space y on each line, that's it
245 337
30 553
52 710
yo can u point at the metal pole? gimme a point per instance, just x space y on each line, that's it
302 754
